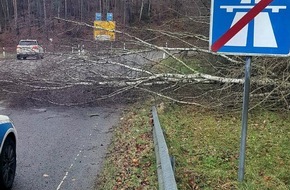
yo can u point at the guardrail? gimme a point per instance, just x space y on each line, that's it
166 178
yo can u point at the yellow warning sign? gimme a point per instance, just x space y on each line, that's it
103 30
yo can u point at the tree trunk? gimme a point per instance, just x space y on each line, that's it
29 16
115 7
158 12
124 14
81 9
65 9
7 15
58 10
45 19
7 9
15 17
38 13
100 5
4 18
149 9
44 13
141 10
127 12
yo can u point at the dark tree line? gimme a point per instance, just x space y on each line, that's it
189 66
16 14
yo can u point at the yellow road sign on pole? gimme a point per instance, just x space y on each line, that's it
104 30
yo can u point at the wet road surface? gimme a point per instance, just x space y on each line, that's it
61 148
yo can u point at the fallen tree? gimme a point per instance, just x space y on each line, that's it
189 75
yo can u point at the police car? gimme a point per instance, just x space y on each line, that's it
8 138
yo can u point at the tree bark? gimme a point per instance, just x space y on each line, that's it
2 18
65 9
45 18
29 16
7 9
15 17
100 6
81 10
141 10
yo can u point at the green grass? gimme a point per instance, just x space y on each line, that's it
130 163
205 145
171 64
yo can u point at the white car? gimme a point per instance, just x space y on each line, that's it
8 138
29 48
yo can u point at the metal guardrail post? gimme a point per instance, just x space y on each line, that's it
165 173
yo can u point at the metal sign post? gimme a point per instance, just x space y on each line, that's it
249 28
244 119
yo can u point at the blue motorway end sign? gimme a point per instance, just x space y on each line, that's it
98 16
109 16
250 27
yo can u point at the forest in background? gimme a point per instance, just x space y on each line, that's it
38 17
178 28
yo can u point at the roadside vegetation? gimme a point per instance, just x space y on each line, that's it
130 162
204 140
205 145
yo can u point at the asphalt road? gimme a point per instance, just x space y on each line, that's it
61 148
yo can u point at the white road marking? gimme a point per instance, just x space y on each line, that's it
66 173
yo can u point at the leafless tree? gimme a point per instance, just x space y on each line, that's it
186 72
199 76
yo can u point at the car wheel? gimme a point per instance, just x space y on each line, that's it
24 57
18 57
7 164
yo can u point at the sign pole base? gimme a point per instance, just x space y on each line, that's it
244 119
